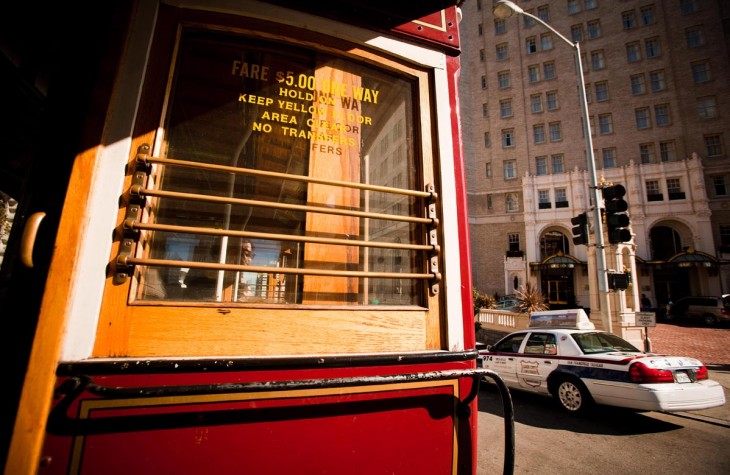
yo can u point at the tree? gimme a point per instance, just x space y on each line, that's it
482 300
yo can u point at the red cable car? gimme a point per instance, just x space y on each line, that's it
241 244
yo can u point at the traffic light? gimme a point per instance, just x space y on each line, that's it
616 218
580 229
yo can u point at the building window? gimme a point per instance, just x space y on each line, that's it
656 79
543 12
536 103
719 185
555 133
543 199
700 71
707 107
576 33
546 42
652 47
724 238
503 78
602 91
694 37
646 153
558 164
541 166
489 201
484 82
637 84
667 151
514 242
713 145
573 7
687 6
485 110
488 169
597 60
591 4
510 169
548 70
653 193
584 61
511 202
528 21
661 115
551 98
487 140
508 139
531 45
605 124
633 52
628 19
538 133
505 108
609 157
502 51
674 189
482 56
642 118
594 29
533 73
480 29
647 15
561 198
500 27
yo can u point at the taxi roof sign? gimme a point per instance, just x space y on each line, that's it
568 318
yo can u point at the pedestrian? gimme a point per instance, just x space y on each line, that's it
645 303
245 290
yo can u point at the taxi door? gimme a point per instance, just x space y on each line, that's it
503 358
536 362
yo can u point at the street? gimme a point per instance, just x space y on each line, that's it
548 441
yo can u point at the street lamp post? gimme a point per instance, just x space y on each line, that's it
504 9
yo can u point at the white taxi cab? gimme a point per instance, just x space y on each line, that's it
563 356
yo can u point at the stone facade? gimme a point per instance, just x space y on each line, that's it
656 77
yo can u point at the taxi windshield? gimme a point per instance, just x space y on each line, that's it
601 342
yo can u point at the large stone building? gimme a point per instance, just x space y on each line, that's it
656 78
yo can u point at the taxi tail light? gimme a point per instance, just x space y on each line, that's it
640 373
701 373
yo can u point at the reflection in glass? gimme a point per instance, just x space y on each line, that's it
265 106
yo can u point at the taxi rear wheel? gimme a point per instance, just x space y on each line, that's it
572 395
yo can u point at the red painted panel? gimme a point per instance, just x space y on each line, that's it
404 428
440 27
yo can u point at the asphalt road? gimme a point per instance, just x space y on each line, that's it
611 440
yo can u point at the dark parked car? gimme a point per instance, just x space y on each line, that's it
709 310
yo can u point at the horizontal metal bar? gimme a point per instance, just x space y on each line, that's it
134 225
126 261
141 191
266 386
147 159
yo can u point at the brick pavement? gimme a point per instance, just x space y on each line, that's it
709 345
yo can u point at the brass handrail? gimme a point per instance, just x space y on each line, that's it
134 225
138 190
146 159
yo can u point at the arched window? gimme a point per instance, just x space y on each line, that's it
551 243
665 242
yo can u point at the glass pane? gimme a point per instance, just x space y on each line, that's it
272 107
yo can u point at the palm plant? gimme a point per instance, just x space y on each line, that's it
530 299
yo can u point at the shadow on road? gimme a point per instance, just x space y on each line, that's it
541 411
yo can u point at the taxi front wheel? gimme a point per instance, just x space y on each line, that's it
572 395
